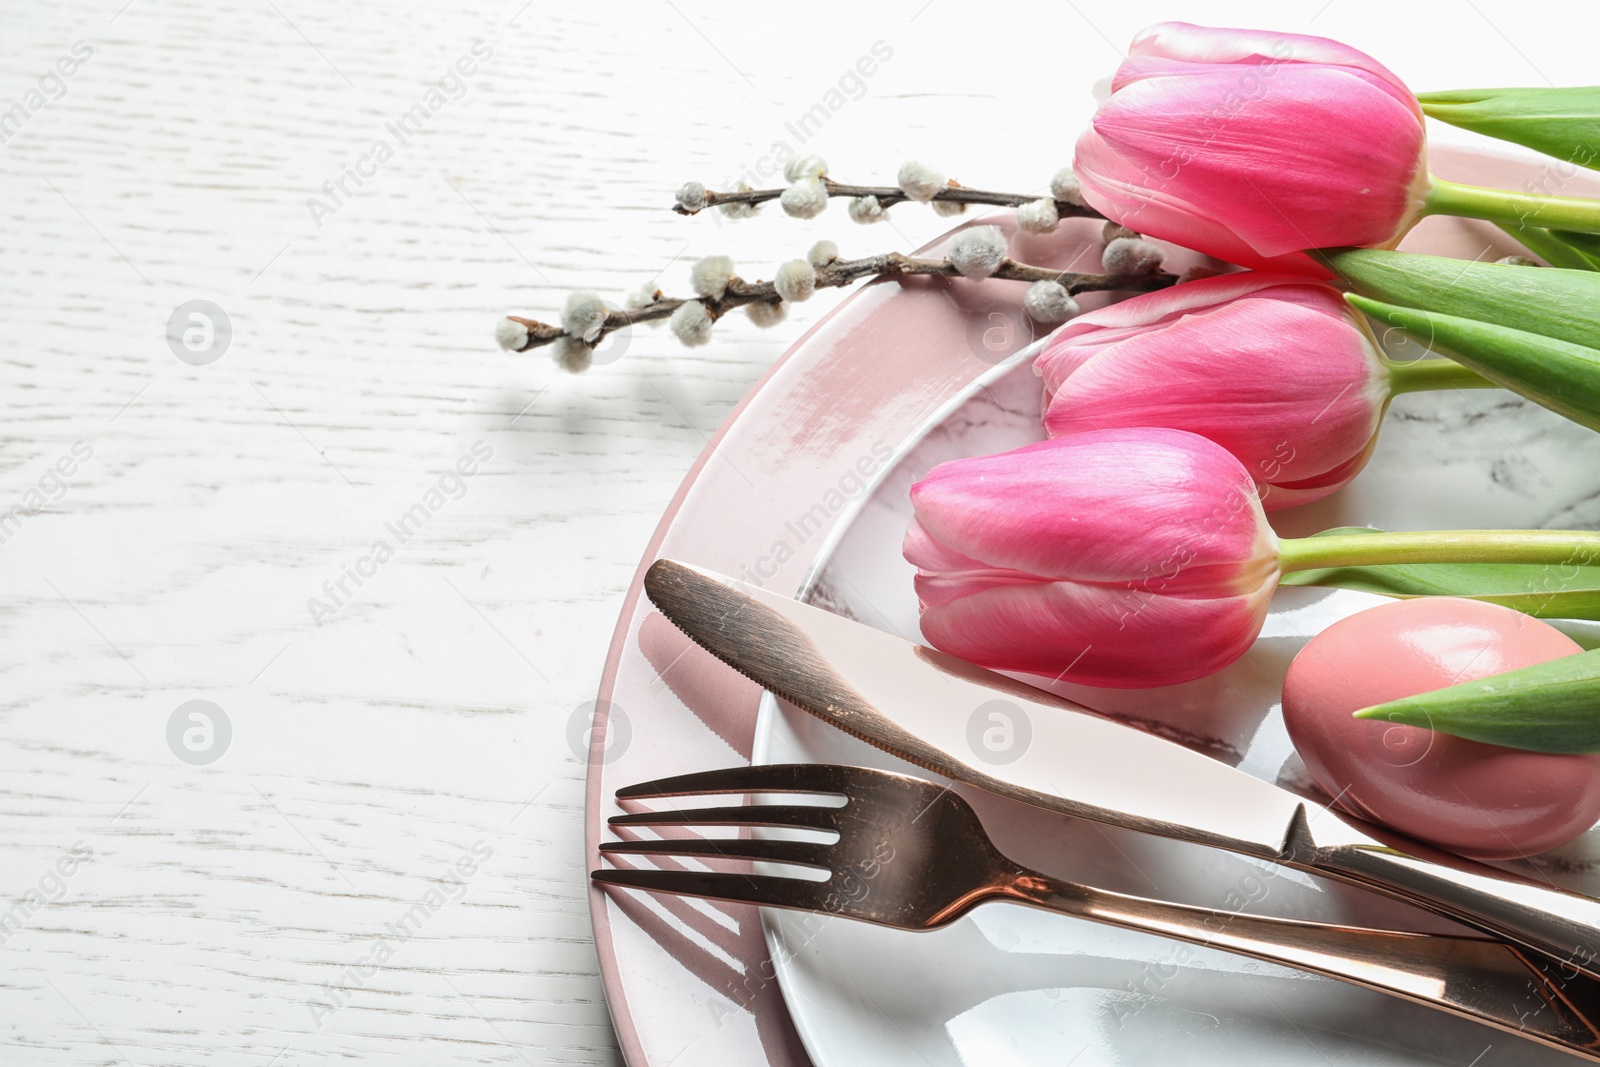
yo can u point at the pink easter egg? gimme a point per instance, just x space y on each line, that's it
1483 801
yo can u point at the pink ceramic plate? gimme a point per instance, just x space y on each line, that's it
691 981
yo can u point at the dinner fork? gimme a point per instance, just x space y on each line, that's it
912 854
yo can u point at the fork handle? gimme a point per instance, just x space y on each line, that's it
1477 978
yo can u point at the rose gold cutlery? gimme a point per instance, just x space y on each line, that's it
930 709
912 854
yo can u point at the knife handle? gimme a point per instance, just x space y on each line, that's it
1561 925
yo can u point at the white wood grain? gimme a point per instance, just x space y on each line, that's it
428 716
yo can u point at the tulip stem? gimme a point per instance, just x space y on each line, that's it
1421 375
1566 548
1514 209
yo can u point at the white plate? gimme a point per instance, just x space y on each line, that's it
1011 985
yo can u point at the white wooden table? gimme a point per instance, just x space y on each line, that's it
378 859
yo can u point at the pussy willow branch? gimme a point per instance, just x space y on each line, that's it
890 195
842 272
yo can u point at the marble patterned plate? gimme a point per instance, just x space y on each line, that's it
803 491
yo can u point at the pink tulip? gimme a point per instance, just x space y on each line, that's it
1275 368
1124 558
1252 146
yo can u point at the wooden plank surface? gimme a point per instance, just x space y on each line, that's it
383 863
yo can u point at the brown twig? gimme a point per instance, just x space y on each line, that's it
842 272
890 195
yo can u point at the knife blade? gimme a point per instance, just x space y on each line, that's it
989 731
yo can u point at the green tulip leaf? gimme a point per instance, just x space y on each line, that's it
1587 244
1564 123
1560 375
1552 247
1562 304
1549 707
1564 591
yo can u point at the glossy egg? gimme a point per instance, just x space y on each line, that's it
1479 800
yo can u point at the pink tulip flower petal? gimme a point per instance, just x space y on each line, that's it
1115 638
1113 506
1280 495
1213 373
1144 201
1256 170
1199 44
1127 558
1211 357
1253 146
1165 304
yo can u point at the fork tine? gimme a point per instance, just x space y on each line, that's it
804 853
808 818
765 890
774 778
